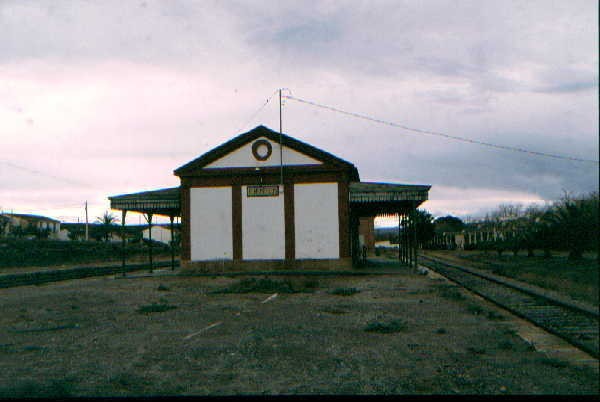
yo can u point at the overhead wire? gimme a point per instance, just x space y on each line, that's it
39 173
439 134
257 111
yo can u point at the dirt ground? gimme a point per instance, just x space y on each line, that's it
88 338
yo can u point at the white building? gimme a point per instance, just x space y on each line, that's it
159 233
33 223
265 200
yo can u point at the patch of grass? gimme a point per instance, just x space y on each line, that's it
33 348
335 311
475 309
162 288
492 315
128 382
155 308
552 362
267 285
311 284
386 327
31 389
344 291
450 292
476 351
578 279
43 253
506 345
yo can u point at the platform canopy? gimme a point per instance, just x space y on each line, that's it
165 201
373 199
366 199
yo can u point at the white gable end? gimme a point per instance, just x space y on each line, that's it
246 157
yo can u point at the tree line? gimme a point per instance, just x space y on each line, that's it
570 224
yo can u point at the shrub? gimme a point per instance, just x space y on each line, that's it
552 362
311 284
506 345
492 315
476 351
450 292
21 252
155 308
263 285
386 327
475 309
344 291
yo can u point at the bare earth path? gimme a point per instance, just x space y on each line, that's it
87 338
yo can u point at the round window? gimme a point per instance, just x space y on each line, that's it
261 149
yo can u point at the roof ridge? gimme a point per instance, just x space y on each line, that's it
261 130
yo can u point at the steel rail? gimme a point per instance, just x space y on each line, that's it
577 326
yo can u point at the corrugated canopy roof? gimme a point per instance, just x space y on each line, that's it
365 198
375 192
162 202
372 199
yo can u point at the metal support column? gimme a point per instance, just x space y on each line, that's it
414 236
407 238
399 234
171 217
404 238
123 241
149 220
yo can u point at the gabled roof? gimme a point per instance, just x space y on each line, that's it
257 132
32 217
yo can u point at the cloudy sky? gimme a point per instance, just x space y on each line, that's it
99 98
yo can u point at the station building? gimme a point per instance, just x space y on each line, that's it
265 200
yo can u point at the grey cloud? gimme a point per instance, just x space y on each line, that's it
465 68
568 87
152 31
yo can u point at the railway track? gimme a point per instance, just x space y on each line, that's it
39 277
576 325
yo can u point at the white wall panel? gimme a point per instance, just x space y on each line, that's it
263 227
316 220
243 157
210 223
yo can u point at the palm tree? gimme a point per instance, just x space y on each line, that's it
107 221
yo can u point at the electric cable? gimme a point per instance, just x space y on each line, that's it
435 133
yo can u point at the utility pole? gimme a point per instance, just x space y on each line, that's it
86 223
280 140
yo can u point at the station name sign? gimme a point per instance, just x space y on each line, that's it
262 191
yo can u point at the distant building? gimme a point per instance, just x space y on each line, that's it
26 225
76 232
386 244
159 233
